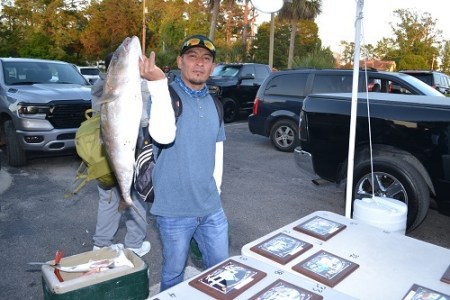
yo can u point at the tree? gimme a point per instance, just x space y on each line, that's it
445 58
319 59
416 35
42 29
110 21
416 43
214 6
412 62
295 11
367 52
310 42
347 54
261 45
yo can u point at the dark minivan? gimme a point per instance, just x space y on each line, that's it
279 100
236 85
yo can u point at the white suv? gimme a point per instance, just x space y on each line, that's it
90 73
42 104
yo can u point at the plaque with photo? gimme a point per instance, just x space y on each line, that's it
282 290
228 280
326 268
446 276
281 248
417 292
320 228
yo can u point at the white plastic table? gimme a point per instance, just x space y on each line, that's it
389 263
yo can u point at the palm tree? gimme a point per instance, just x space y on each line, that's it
214 7
295 11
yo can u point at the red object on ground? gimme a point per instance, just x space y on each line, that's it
59 254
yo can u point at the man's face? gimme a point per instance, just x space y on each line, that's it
196 64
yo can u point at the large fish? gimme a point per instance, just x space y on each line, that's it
120 114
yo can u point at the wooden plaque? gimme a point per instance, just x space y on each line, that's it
320 228
281 248
326 268
417 292
283 290
446 276
228 280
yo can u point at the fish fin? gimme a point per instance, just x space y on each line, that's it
123 205
138 213
122 260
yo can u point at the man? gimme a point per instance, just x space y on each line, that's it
188 173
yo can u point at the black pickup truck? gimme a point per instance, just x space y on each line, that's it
410 147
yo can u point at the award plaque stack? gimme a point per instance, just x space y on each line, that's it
325 256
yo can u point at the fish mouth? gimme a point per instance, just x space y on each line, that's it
128 41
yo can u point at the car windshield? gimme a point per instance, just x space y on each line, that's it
419 84
31 72
226 71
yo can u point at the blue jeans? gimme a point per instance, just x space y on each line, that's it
211 234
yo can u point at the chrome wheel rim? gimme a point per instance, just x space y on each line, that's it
284 136
385 185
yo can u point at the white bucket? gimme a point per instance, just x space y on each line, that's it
385 213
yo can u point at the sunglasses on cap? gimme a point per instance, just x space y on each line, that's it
200 42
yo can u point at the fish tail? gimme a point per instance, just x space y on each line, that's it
138 213
123 205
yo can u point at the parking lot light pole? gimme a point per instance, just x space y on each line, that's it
271 7
144 11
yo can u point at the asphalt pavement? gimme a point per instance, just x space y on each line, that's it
262 190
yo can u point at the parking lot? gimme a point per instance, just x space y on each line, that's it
262 190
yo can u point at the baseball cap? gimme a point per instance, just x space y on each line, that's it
198 41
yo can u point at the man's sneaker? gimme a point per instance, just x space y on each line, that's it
116 247
145 248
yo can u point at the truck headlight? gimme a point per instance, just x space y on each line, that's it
213 89
32 111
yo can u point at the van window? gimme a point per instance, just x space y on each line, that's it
261 72
287 85
332 84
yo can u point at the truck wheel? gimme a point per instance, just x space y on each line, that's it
16 156
394 178
283 135
230 110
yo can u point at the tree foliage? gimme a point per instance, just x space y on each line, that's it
319 58
299 10
417 44
83 32
306 42
110 21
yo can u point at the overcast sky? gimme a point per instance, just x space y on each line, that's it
337 20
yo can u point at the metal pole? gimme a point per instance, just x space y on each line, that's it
143 27
272 37
352 138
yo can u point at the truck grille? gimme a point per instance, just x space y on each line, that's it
67 114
